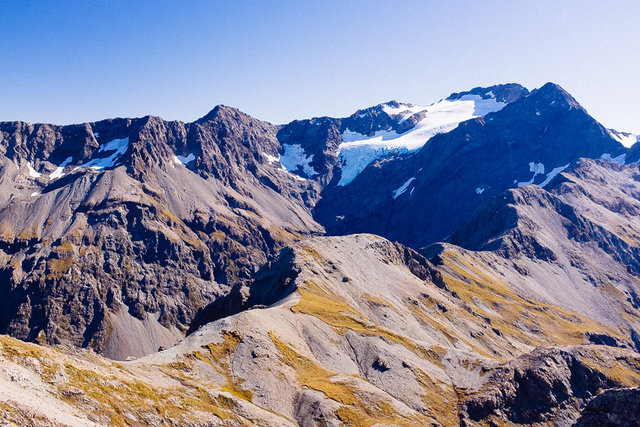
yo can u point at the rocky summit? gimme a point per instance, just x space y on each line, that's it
471 262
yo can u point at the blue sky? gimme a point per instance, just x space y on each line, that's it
69 62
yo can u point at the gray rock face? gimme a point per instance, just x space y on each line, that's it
538 387
615 407
574 243
132 248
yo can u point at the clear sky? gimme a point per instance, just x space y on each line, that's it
75 61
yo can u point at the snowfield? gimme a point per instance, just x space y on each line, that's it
619 159
182 160
293 159
403 188
537 169
357 151
58 173
624 138
117 147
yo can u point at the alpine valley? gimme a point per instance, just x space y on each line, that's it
471 262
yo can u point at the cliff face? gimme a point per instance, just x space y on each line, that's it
612 407
115 233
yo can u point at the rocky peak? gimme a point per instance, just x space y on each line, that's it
506 93
529 141
223 113
391 116
552 95
616 406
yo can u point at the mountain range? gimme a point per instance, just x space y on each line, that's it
475 261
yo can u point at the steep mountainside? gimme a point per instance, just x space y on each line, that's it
576 245
114 234
421 198
343 148
361 331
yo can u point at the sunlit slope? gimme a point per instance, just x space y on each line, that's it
363 331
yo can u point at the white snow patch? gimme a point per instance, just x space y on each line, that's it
182 160
403 188
274 159
34 194
357 151
271 158
553 173
619 159
480 190
32 171
96 134
403 109
624 138
294 158
117 146
59 170
405 118
296 177
537 169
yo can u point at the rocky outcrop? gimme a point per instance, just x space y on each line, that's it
506 93
354 330
120 254
614 407
272 283
547 385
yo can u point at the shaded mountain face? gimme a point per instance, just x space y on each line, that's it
422 198
363 331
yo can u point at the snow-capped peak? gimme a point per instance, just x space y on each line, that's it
357 151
